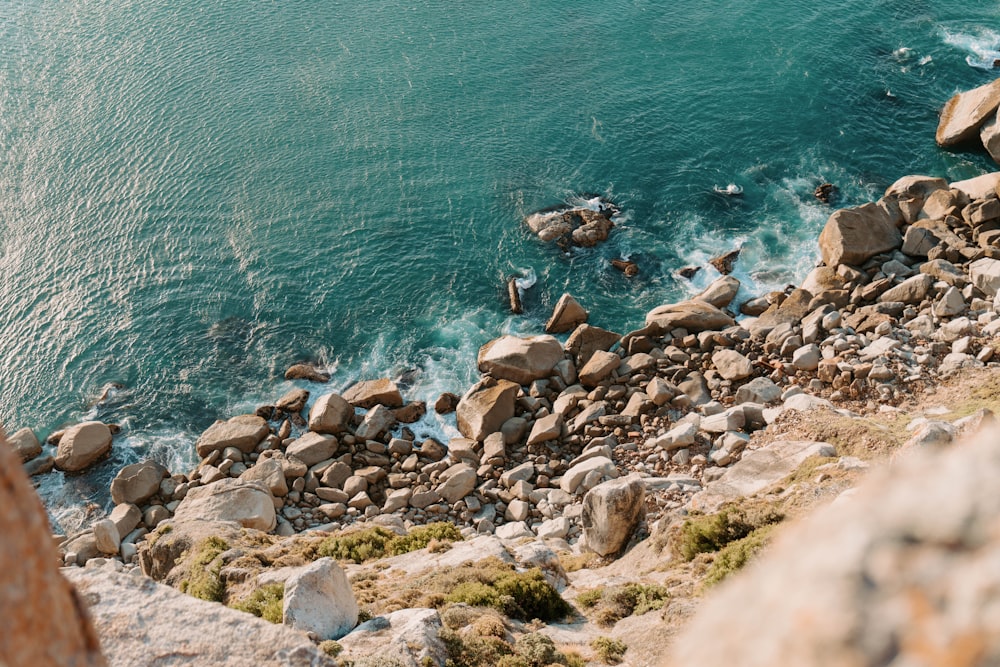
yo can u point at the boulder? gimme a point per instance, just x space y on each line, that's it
249 504
408 637
410 413
611 513
459 481
45 622
721 292
106 536
759 390
312 448
573 477
370 393
725 262
789 311
852 235
172 628
732 365
599 367
980 187
520 360
581 226
485 407
985 274
446 403
306 372
566 316
900 570
138 482
82 445
757 470
917 241
293 401
243 432
966 112
989 134
377 421
319 599
125 517
25 444
269 473
692 315
586 339
547 428
912 290
331 413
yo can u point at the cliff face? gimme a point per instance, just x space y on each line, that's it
45 623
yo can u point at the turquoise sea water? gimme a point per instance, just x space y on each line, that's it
195 195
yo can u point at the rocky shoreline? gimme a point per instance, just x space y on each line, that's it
591 444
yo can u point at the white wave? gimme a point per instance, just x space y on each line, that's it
982 47
527 281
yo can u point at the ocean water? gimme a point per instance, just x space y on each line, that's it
194 196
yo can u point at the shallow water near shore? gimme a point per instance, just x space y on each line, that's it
195 197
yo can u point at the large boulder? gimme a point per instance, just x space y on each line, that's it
520 360
966 112
166 553
44 620
587 339
312 448
852 235
902 571
319 599
566 316
721 292
980 187
331 413
985 274
990 136
269 473
732 365
757 470
692 315
244 432
408 637
137 482
370 393
611 513
458 481
485 407
83 445
790 311
142 623
249 504
25 444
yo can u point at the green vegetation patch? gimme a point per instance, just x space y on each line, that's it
529 650
203 580
521 595
609 605
609 651
708 534
734 556
266 602
331 648
373 543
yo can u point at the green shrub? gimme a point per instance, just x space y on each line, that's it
266 602
609 651
734 556
203 580
706 534
377 542
537 649
474 651
331 648
420 537
522 595
612 604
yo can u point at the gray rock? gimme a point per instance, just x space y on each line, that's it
900 572
408 638
807 357
319 599
243 432
732 365
82 445
759 390
137 483
985 274
459 481
911 290
950 304
269 473
573 478
331 413
611 513
681 435
312 448
547 428
125 517
599 367
377 421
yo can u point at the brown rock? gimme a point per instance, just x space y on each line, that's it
82 445
966 112
990 135
692 315
520 359
724 263
626 266
411 412
243 432
330 414
852 235
566 316
44 620
307 372
587 339
370 393
446 403
137 482
485 407
25 444
293 401
791 310
721 292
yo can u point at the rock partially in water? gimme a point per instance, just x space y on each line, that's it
82 446
579 226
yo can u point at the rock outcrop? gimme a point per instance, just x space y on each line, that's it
44 619
83 445
904 567
249 504
853 235
319 599
520 359
965 113
611 512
